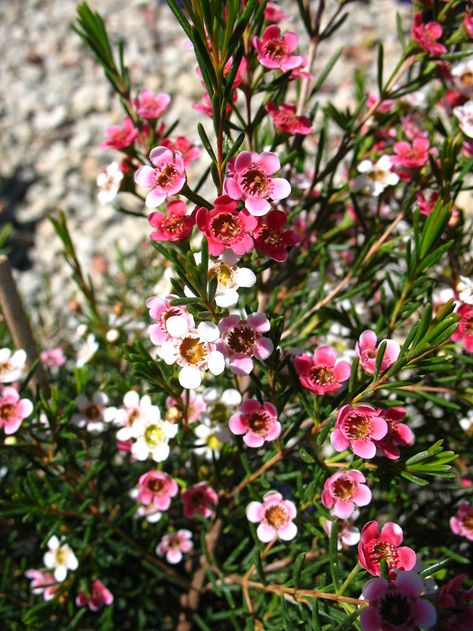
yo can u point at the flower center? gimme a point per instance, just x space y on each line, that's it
93 412
154 435
166 175
276 516
274 49
224 274
254 181
259 423
173 414
5 368
193 350
357 427
156 486
213 443
174 225
382 550
467 78
7 411
322 375
241 340
467 521
395 609
226 226
61 556
343 488
272 237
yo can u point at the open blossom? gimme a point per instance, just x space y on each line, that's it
321 373
462 522
347 533
343 491
398 434
230 277
367 350
464 331
157 488
151 437
12 365
60 558
225 227
190 152
286 120
53 357
13 410
396 606
376 176
272 238
241 340
376 546
173 226
175 545
99 596
133 409
275 49
358 427
120 137
42 583
165 179
275 516
426 36
109 181
188 409
151 105
256 422
171 320
93 413
464 113
199 499
411 156
252 181
456 605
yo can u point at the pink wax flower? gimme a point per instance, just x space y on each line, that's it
175 545
13 410
396 606
252 181
275 517
272 238
376 546
241 340
151 105
200 499
170 320
358 427
275 49
53 357
285 119
426 36
398 434
464 331
167 177
273 13
205 105
452 596
256 422
120 137
158 488
322 373
98 597
462 523
343 491
175 226
426 204
225 227
192 406
367 351
190 152
411 156
42 583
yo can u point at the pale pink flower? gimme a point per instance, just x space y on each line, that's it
358 427
462 522
367 350
322 373
464 331
275 516
199 499
343 491
398 434
241 340
120 137
99 596
286 120
167 177
151 105
171 320
256 422
275 49
93 413
12 365
272 238
53 357
376 546
109 181
158 488
173 226
13 410
426 36
189 408
252 181
42 583
411 156
175 545
464 113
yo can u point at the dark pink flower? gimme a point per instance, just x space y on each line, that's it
151 105
396 606
273 13
42 583
13 410
275 49
271 237
322 373
174 226
225 227
171 320
200 499
285 119
462 523
452 596
257 422
398 434
426 36
190 152
367 350
166 178
464 331
411 156
345 490
156 487
241 340
376 546
252 181
120 137
99 597
275 517
358 428
205 105
175 545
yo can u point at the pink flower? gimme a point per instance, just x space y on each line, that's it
396 606
166 178
452 596
13 410
367 352
170 319
426 36
243 339
120 137
322 373
271 237
225 227
189 408
258 422
398 434
200 499
99 596
411 156
464 331
252 181
274 50
274 516
376 546
205 105
175 545
190 152
42 583
151 105
462 523
358 427
468 23
158 488
53 357
343 491
286 120
174 226
273 13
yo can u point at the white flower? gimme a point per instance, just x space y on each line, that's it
467 422
230 278
462 75
210 440
109 181
464 113
60 558
11 365
465 290
376 176
87 350
134 409
151 438
93 413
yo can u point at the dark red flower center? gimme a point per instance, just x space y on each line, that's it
396 609
166 175
274 49
271 237
467 520
343 488
467 78
241 339
276 516
384 551
174 225
254 181
357 427
93 412
193 350
156 486
226 226
322 375
7 411
259 422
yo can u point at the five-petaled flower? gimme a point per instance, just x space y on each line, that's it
376 546
275 49
165 179
13 410
426 36
151 105
157 488
367 350
199 499
241 340
176 225
174 545
120 136
322 373
226 227
358 428
272 238
343 491
286 120
60 558
257 422
275 516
